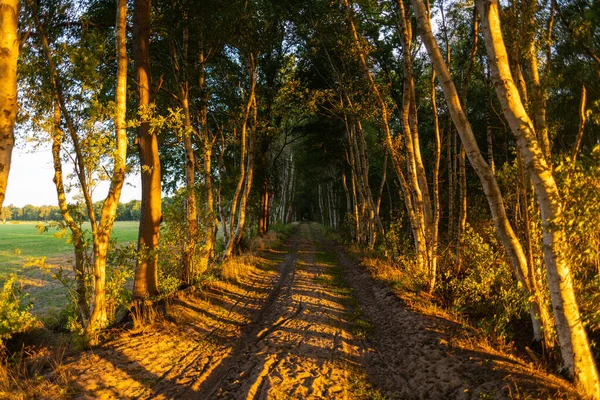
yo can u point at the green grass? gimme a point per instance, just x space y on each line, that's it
20 243
333 278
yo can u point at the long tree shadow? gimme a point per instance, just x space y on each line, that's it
291 346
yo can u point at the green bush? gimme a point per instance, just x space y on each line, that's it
485 289
174 242
15 317
119 271
580 191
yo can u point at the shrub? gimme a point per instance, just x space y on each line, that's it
15 316
580 190
485 289
175 242
119 271
397 247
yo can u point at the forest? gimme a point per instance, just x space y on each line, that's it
129 211
448 149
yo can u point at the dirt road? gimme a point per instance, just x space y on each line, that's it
307 323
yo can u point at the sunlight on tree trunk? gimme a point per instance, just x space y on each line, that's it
77 233
99 318
146 272
575 349
232 236
208 141
436 185
582 120
187 272
9 54
486 175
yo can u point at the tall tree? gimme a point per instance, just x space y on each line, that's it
486 175
9 55
246 163
86 157
575 349
98 318
146 272
404 150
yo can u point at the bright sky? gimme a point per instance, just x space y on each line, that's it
30 181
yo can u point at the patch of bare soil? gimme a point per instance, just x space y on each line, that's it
287 330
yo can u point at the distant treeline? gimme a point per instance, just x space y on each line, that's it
125 212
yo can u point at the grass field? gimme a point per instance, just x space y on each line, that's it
20 243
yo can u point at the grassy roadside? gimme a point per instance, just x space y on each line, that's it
359 325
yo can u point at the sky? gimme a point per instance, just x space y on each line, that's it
30 181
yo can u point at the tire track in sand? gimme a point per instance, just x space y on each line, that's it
297 346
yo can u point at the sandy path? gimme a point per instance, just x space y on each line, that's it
411 355
295 346
289 331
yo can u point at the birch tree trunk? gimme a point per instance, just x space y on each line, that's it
188 270
462 166
191 216
208 141
576 353
239 230
538 92
436 185
221 207
582 120
9 55
483 170
101 229
488 123
146 271
263 218
77 234
99 318
417 179
79 157
413 184
240 185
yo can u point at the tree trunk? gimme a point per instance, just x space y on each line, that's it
99 317
417 179
233 211
77 233
292 209
462 165
451 156
538 95
9 55
483 170
146 272
239 230
188 270
575 349
436 186
208 139
263 220
220 168
582 120
415 186
488 123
